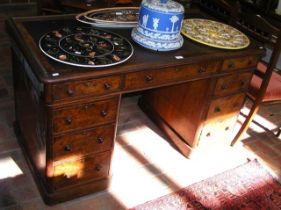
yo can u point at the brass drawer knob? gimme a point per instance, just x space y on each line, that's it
98 167
242 83
217 109
107 86
70 92
68 120
100 140
148 78
67 148
103 113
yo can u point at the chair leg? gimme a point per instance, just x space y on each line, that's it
246 123
278 132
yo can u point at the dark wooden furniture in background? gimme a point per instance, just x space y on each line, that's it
221 9
84 5
265 86
263 7
67 116
49 7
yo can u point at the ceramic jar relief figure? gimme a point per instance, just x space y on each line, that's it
159 25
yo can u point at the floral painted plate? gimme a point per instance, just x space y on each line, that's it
214 34
85 47
81 18
125 15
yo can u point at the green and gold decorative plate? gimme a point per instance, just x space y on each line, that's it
214 34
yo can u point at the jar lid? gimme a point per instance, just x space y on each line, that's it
166 6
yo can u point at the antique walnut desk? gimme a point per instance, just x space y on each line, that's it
66 116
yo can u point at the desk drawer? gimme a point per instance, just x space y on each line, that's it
221 118
83 142
222 107
88 87
239 63
85 115
218 130
77 171
233 83
149 78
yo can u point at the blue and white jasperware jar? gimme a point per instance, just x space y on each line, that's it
159 25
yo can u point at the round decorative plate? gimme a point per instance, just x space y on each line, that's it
86 47
214 34
127 15
81 18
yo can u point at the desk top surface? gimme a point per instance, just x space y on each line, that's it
27 31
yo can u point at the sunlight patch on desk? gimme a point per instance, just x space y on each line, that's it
73 166
9 168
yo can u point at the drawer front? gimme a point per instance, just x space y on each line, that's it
85 115
233 83
222 108
77 171
239 63
222 116
150 78
218 131
83 142
88 87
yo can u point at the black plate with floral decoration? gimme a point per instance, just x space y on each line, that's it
86 47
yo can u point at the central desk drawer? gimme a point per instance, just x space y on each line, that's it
77 171
85 115
87 87
83 142
149 78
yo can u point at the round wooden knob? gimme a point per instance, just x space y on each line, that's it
224 86
68 120
107 86
103 113
98 167
148 78
231 65
202 69
100 140
67 148
217 109
70 92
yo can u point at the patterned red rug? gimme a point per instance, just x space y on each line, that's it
247 187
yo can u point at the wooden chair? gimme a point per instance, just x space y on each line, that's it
265 85
220 9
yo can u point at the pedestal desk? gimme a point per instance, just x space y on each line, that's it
66 124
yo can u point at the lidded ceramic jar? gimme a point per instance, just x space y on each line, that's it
159 25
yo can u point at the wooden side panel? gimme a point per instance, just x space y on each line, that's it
30 116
